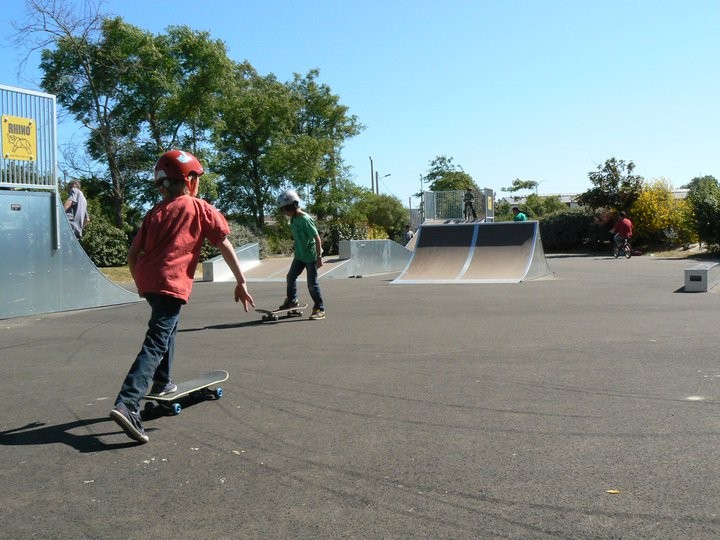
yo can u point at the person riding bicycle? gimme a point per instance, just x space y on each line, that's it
469 207
623 229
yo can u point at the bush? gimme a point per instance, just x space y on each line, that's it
660 218
239 235
704 201
105 244
571 230
279 238
331 233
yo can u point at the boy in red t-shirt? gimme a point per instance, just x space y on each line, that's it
623 229
162 260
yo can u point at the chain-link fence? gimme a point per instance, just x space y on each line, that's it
444 205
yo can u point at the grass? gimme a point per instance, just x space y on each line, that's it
121 274
118 274
694 252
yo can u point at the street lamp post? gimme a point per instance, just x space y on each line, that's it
377 181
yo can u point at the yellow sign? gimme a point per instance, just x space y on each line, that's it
19 138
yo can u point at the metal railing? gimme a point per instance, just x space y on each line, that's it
29 140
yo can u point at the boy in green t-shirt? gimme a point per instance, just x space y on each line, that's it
518 215
308 254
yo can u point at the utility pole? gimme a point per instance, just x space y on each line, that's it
421 206
372 177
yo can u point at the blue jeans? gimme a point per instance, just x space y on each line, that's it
296 269
155 359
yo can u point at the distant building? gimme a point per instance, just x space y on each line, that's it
568 199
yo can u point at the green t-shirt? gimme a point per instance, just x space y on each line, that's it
520 217
304 232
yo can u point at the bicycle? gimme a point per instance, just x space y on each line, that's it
469 212
625 248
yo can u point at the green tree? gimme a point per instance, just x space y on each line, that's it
174 98
136 94
85 71
253 139
704 199
383 211
274 135
444 175
520 185
615 186
324 124
536 206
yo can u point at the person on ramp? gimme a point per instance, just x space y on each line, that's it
469 204
518 215
162 260
308 254
76 209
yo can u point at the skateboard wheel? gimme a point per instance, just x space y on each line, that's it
175 408
218 393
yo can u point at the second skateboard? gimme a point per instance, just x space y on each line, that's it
276 314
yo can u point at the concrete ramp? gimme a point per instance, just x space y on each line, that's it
504 252
356 258
44 268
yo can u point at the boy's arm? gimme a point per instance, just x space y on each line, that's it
132 258
241 292
318 250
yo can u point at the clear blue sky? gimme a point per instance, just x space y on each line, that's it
539 90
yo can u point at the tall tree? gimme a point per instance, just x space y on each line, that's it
519 185
444 175
136 94
274 135
253 138
175 99
704 198
326 124
615 186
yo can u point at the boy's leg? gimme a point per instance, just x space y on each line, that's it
314 286
296 269
164 370
160 335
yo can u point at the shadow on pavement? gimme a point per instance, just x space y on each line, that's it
40 433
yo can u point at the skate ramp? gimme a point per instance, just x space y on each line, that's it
505 252
44 268
369 257
356 258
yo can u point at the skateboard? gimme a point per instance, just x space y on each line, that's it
274 315
196 388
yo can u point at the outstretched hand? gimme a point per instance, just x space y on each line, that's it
242 294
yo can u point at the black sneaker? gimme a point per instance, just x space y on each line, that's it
130 422
288 304
160 388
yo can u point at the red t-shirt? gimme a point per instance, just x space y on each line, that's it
624 228
169 243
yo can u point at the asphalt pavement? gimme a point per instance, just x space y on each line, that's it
586 405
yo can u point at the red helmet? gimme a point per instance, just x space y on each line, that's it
177 165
